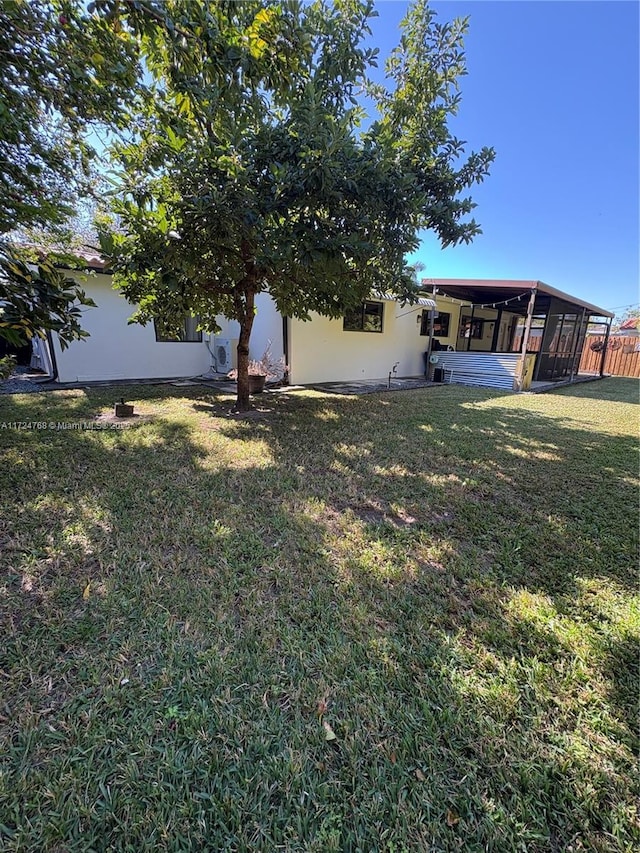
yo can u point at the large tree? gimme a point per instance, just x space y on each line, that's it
253 170
65 69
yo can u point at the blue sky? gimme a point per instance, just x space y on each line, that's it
553 87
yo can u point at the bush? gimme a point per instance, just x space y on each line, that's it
7 366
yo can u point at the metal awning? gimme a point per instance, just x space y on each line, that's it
421 300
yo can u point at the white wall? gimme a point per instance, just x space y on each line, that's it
267 326
321 351
116 350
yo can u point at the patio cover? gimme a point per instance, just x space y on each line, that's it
504 293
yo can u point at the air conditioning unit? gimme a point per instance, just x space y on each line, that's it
224 354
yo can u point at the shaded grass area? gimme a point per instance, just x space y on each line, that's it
447 578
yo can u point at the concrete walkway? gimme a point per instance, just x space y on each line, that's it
372 386
25 381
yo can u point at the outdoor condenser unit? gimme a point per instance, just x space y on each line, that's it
224 354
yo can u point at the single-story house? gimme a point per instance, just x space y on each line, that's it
487 332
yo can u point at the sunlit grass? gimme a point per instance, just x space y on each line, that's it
446 577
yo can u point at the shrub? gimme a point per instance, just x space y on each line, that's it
7 366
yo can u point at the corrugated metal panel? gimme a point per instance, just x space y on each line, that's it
421 300
491 370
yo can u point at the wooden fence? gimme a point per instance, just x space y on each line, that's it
622 359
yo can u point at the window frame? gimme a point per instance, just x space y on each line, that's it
363 312
476 327
424 324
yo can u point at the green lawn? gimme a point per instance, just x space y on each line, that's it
445 579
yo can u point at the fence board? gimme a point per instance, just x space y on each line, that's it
622 359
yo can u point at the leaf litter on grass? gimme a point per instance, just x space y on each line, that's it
465 592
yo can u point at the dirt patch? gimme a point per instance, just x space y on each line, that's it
110 420
371 514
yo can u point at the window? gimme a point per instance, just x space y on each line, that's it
188 334
366 318
440 324
471 328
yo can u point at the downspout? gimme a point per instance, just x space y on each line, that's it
604 348
522 364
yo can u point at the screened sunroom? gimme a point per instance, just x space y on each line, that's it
515 334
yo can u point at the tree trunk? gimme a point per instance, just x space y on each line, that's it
246 324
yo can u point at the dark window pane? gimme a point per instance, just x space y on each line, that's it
372 321
188 333
471 328
440 324
353 320
366 318
191 332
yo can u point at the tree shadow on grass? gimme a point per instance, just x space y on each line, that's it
354 562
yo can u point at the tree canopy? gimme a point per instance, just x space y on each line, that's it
253 167
63 71
246 161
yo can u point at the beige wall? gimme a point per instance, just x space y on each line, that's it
321 351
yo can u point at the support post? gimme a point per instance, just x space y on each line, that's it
432 311
496 331
427 368
522 364
604 349
470 327
578 333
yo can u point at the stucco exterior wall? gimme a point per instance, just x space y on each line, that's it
267 326
321 351
116 350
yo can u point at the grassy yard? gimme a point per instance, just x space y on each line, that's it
399 622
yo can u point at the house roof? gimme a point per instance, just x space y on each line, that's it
512 294
631 323
91 256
